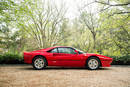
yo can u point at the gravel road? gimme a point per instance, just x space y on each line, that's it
25 76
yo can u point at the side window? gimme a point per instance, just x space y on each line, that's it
66 50
54 51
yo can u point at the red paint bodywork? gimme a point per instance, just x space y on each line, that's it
62 59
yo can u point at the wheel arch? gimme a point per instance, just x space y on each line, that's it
95 57
40 56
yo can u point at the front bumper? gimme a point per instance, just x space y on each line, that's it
106 61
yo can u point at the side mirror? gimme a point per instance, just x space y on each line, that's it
76 51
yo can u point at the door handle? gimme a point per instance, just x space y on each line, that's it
54 54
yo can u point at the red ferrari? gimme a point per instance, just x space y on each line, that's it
66 57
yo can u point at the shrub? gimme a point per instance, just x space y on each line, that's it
8 58
121 60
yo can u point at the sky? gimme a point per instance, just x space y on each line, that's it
72 6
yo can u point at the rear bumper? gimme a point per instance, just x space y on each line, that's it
27 57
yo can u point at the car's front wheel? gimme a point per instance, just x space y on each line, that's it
39 63
93 63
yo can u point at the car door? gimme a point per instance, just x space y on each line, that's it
53 57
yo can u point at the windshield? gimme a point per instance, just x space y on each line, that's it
80 51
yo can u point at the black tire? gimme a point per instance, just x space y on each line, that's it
39 58
90 59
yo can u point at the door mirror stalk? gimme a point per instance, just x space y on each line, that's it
76 51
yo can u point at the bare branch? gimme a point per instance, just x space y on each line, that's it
118 13
124 4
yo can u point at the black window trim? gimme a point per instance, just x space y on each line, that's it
65 47
53 49
58 50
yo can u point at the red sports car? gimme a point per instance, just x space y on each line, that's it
66 57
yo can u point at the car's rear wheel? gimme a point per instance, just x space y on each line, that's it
93 63
39 63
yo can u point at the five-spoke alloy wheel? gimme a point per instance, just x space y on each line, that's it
93 63
39 63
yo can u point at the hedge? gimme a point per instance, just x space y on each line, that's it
8 58
121 60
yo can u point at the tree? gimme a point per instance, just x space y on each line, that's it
43 22
91 22
117 28
8 36
121 6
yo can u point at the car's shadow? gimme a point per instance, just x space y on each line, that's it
64 68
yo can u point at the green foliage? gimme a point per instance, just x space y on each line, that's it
9 58
33 24
121 60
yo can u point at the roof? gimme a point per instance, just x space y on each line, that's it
49 48
61 46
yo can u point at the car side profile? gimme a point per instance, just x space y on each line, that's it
66 57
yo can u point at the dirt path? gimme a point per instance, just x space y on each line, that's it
25 76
